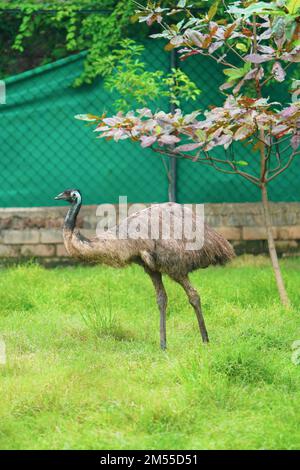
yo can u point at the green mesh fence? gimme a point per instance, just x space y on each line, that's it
45 150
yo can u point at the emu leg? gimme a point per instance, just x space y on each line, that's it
194 300
162 299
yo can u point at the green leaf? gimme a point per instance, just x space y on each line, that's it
290 28
293 6
200 134
241 163
213 10
257 7
234 74
134 18
241 47
181 3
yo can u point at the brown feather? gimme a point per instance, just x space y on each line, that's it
167 256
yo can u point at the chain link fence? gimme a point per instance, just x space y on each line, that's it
45 150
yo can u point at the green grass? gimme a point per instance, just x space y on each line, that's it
85 371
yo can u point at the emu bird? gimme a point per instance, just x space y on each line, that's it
157 256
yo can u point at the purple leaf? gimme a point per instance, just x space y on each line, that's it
177 40
255 73
188 147
168 139
112 121
289 112
215 46
119 134
102 129
293 56
280 41
194 36
146 141
265 49
238 86
224 139
144 112
278 72
266 35
295 141
243 132
226 85
189 118
279 129
257 58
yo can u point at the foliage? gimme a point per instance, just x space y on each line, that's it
80 387
124 72
34 32
239 119
78 24
270 37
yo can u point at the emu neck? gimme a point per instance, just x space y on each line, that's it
70 220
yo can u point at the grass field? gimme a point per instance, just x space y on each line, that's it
84 369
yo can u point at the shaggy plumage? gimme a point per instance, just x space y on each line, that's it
131 242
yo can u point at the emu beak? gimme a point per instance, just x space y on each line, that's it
60 196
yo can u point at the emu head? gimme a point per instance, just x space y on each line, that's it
70 195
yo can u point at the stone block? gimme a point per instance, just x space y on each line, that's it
9 251
51 236
38 250
230 233
256 233
61 251
289 232
20 237
213 220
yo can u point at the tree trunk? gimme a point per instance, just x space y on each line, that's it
272 249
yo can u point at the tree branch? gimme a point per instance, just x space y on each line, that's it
290 160
210 161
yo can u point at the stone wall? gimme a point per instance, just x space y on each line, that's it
36 232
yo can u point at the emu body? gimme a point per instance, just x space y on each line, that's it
157 255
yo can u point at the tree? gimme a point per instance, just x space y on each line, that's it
35 32
258 44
